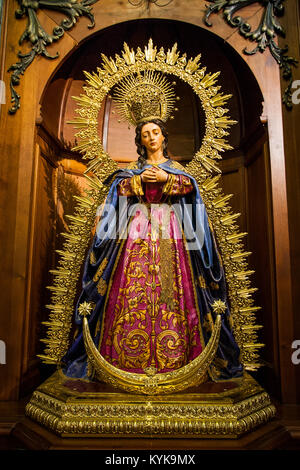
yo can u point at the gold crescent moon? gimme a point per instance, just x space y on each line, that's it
153 384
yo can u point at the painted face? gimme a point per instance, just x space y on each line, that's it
152 137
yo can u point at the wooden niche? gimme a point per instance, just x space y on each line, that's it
245 168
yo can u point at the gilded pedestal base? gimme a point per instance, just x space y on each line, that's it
77 408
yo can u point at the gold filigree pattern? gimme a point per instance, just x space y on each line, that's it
167 271
160 343
227 414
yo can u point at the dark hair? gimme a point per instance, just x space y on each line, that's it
141 149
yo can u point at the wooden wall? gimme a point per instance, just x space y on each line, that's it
39 174
291 123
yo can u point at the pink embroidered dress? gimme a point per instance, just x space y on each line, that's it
151 317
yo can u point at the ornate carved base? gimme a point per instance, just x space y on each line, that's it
78 408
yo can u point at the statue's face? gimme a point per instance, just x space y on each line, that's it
152 137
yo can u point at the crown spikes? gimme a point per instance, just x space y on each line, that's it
193 64
84 145
240 254
247 310
47 359
229 218
58 289
85 101
71 237
80 123
221 201
76 219
251 327
60 272
66 254
243 275
58 308
143 96
109 65
128 55
219 100
220 144
50 341
209 79
150 51
94 182
94 165
84 201
53 324
253 345
211 183
172 55
245 293
209 164
224 122
93 80
235 237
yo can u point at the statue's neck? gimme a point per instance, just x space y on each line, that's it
156 157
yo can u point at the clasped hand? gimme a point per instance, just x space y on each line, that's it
154 175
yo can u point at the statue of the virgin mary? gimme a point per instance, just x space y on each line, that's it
153 278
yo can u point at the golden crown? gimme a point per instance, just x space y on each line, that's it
144 96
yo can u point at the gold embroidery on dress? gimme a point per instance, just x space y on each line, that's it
100 270
139 348
208 322
92 258
102 286
166 272
171 351
214 285
202 282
